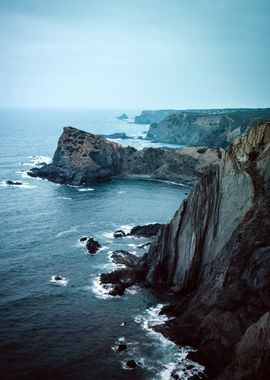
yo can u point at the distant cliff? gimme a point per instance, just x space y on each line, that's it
215 253
82 158
149 117
213 128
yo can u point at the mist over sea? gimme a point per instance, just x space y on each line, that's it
72 331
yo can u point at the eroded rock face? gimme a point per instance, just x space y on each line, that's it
82 158
216 254
213 128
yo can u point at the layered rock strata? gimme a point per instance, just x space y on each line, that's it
215 253
82 158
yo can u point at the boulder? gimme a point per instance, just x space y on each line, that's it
92 245
131 364
124 258
122 347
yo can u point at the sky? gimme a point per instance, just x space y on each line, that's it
147 54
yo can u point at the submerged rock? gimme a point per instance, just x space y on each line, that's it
119 233
12 183
84 238
92 245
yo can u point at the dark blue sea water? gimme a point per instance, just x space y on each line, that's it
49 331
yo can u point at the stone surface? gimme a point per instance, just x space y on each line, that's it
83 158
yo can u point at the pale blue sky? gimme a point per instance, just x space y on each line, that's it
135 53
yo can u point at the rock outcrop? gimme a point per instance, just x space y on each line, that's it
82 158
213 128
215 253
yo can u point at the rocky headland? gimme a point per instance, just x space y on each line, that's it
214 256
212 128
83 158
152 116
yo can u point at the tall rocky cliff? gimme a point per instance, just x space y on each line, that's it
215 128
82 158
215 253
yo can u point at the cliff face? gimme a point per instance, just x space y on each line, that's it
81 158
208 128
153 116
216 254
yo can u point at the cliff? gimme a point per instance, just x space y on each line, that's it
82 158
152 116
215 128
215 254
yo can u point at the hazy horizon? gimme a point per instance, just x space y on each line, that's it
145 54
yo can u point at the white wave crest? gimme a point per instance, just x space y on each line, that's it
101 290
71 230
85 189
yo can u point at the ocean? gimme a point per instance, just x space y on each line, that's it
72 330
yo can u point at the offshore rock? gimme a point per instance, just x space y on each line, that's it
92 245
82 158
213 128
122 117
149 230
215 253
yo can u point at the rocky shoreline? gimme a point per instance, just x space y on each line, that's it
83 158
215 256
